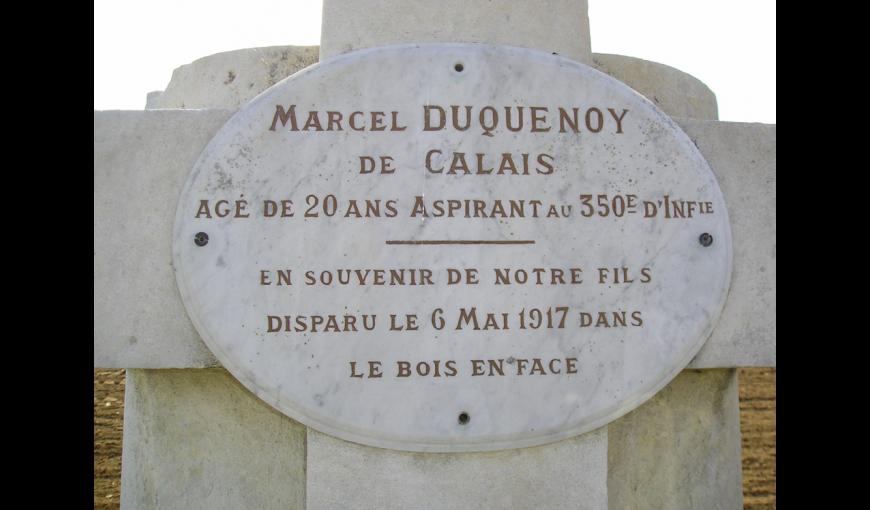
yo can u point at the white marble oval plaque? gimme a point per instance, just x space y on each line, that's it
452 247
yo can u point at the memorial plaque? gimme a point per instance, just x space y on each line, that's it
452 247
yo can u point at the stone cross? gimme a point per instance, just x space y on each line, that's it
195 438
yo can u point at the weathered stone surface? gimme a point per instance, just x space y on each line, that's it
567 474
232 78
195 439
681 449
560 26
677 93
153 99
743 157
141 160
205 83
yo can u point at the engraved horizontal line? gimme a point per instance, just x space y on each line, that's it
463 241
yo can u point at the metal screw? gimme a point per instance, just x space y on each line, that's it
464 418
201 239
705 239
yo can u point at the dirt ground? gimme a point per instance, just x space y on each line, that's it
108 424
758 432
757 426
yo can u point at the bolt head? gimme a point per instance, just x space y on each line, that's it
201 239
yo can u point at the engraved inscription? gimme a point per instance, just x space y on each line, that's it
392 244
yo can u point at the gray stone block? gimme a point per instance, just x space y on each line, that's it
560 26
743 158
196 439
681 449
677 93
231 79
567 474
141 160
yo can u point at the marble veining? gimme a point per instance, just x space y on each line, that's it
600 275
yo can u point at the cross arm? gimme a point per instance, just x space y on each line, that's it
142 159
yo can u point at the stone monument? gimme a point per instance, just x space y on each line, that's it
450 259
